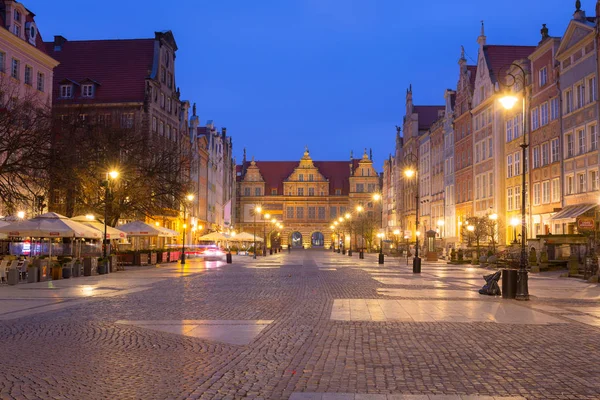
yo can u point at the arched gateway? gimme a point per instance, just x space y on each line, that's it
317 239
296 239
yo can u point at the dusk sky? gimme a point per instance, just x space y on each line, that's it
330 74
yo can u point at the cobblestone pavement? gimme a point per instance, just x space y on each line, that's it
73 347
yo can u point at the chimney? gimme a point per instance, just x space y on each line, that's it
58 42
224 132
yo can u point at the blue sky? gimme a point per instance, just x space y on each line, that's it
330 74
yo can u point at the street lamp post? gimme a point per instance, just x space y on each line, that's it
111 175
508 101
378 197
514 222
348 217
265 219
257 210
189 197
410 172
361 252
342 245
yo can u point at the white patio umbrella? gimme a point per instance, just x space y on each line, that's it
111 233
50 225
214 237
168 232
246 237
139 228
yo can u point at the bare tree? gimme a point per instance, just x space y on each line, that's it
482 228
25 134
153 170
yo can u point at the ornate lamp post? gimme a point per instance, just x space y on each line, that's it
265 220
257 210
332 227
361 252
514 223
348 216
111 175
508 101
379 198
410 172
342 245
189 197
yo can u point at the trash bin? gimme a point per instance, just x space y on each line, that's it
32 274
13 276
509 283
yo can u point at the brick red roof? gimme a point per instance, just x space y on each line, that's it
119 66
276 172
427 115
499 58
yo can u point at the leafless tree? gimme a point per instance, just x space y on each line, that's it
153 170
25 134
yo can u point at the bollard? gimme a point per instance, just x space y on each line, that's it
361 254
350 252
380 258
229 258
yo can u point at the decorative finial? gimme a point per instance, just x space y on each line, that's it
306 149
351 154
398 129
462 52
544 32
482 29
244 160
371 154
194 110
578 5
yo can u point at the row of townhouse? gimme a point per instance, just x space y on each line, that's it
120 84
469 149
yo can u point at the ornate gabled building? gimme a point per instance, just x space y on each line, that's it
304 196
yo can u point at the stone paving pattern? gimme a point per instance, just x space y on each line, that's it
79 351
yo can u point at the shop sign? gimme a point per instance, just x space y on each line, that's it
586 223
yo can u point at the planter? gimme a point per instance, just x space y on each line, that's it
103 267
89 266
77 267
113 262
144 258
153 258
56 273
67 271
32 274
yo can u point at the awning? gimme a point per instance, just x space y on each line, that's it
574 211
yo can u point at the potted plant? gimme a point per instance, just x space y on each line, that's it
56 271
102 266
67 268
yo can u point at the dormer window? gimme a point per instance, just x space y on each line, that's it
17 16
66 91
87 90
17 30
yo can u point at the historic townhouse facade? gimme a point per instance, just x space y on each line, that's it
577 56
436 137
389 195
304 196
425 182
124 84
26 73
448 229
545 138
417 121
463 144
489 140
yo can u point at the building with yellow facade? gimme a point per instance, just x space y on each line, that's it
304 197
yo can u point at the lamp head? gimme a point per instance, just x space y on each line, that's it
359 208
494 217
90 217
376 197
409 173
190 197
440 222
21 214
341 219
273 220
397 232
514 221
113 174
157 223
470 228
348 216
258 209
508 101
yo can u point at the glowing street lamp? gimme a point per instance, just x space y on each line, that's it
189 198
112 175
379 198
257 210
411 173
21 214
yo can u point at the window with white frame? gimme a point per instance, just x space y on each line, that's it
154 124
312 214
570 145
517 124
509 166
569 184
591 84
490 148
2 61
546 192
543 77
127 120
555 190
581 141
593 180
484 186
161 128
40 81
534 119
579 96
509 130
555 144
517 158
568 101
300 191
544 114
491 183
162 100
28 75
536 194
545 153
483 151
477 187
509 199
257 191
581 183
477 153
300 212
87 90
311 191
14 70
554 108
536 157
290 213
593 131
66 91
